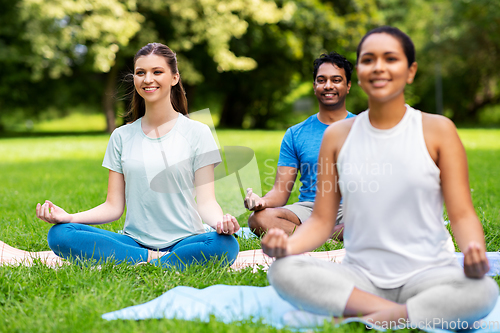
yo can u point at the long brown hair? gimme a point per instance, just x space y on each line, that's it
177 94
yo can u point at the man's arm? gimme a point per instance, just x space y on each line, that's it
279 194
320 225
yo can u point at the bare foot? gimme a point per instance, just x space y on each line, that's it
152 254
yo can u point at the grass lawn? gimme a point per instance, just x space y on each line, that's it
67 170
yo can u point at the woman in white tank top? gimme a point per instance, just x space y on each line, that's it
394 166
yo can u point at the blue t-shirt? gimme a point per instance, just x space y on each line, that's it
300 149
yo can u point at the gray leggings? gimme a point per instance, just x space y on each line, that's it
441 294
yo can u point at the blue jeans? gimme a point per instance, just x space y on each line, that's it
73 240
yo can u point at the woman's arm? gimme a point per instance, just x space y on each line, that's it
208 207
110 210
320 226
447 150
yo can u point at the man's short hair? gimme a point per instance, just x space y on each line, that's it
336 59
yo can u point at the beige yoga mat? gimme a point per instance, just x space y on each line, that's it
258 259
252 258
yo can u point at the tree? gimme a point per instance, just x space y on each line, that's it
284 53
20 95
198 28
253 58
471 41
65 34
457 40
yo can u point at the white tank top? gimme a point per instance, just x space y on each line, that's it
393 204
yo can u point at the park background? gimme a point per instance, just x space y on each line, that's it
249 62
63 85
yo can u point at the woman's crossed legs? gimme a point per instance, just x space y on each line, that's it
438 297
81 241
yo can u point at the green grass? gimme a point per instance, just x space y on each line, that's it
75 122
67 170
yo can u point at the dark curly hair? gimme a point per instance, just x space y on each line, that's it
336 59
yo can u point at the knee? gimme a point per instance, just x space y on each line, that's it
283 272
253 221
58 236
286 278
485 293
229 245
467 300
257 221
476 299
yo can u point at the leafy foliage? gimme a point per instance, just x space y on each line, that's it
285 53
250 60
455 40
61 32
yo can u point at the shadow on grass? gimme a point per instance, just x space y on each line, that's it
34 134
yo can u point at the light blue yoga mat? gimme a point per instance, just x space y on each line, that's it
493 258
245 303
244 232
300 319
227 303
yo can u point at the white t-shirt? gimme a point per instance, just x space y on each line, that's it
159 179
393 203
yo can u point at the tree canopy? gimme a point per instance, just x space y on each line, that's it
249 60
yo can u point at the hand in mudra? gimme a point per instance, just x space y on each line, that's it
475 262
253 201
275 243
228 226
51 213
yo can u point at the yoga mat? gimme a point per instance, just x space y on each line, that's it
300 320
231 304
246 233
243 232
494 261
259 260
227 303
251 258
240 303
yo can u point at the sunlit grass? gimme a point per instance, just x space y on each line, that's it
74 122
81 120
18 150
480 138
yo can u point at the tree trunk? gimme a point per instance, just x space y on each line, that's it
109 98
472 111
233 112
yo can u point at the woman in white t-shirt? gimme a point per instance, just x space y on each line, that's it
393 166
158 163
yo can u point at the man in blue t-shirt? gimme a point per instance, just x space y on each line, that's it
299 152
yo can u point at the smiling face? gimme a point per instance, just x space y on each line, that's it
382 68
330 86
153 78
